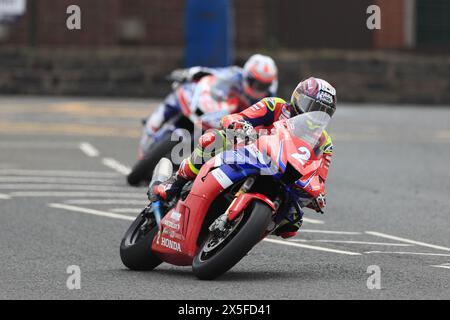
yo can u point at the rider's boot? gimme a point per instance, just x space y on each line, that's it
171 188
287 229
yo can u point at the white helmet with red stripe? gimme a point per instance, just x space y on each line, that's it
260 76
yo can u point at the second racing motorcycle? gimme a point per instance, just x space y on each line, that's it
202 105
238 198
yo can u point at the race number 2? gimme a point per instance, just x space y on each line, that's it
302 156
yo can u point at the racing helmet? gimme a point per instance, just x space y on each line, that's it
314 94
260 73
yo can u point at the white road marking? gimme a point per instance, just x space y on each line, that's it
43 194
356 242
90 211
127 210
58 187
423 244
445 266
328 232
67 180
107 201
116 165
89 149
313 221
4 196
59 173
413 253
305 246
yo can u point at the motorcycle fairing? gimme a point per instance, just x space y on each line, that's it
269 155
179 245
283 149
207 103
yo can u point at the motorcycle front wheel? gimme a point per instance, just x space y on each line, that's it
219 253
136 246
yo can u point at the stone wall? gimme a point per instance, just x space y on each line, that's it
359 76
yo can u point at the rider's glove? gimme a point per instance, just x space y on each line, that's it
179 75
243 129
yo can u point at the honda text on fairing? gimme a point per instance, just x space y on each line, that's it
202 105
239 197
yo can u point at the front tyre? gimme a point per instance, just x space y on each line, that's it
217 256
136 246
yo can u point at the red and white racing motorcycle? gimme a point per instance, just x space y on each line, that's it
238 198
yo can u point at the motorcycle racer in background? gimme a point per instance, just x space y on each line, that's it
256 80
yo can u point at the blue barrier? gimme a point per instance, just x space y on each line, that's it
209 33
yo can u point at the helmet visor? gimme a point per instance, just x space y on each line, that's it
258 86
308 104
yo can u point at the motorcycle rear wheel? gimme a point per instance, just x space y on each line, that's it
247 233
143 170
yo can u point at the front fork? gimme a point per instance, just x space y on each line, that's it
243 199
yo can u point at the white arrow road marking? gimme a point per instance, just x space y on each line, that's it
423 244
91 211
357 242
445 266
89 149
116 165
4 196
305 246
413 253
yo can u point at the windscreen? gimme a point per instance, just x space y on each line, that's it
309 126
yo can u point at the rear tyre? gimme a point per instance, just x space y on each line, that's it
136 246
248 231
143 170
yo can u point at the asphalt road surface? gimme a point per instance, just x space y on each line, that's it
64 201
